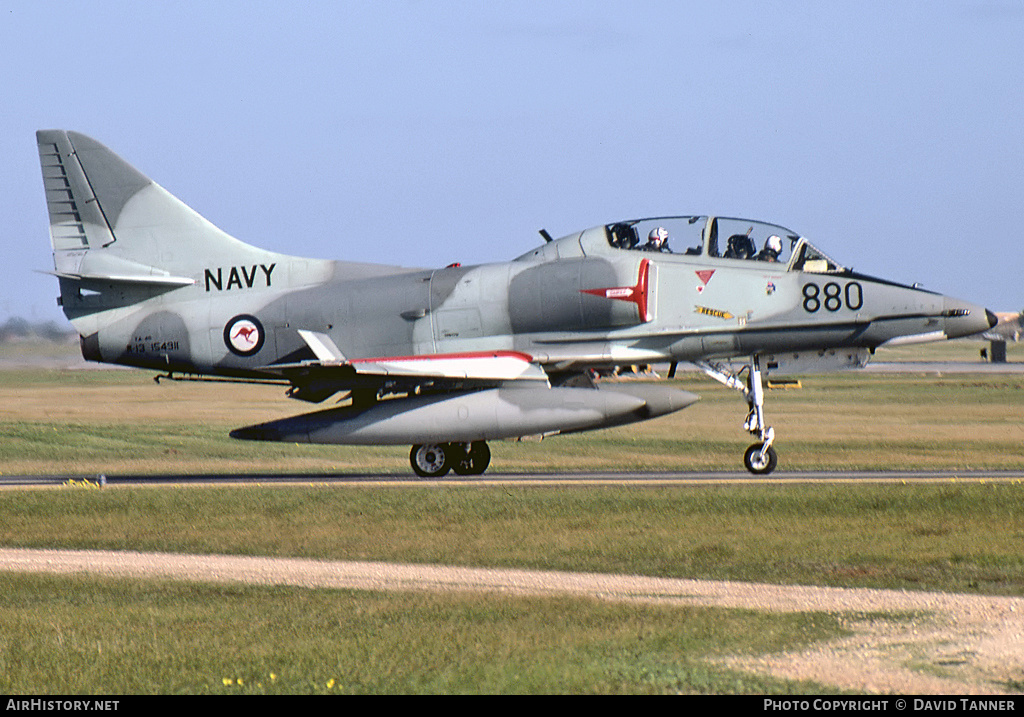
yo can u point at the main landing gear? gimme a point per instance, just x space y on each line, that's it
433 460
760 458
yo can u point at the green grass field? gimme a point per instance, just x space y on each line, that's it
75 635
91 422
91 635
955 537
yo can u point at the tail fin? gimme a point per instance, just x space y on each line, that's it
112 227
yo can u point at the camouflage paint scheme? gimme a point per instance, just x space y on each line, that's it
458 355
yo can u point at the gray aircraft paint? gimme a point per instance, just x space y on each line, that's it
150 283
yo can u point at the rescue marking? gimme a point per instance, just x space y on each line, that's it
717 313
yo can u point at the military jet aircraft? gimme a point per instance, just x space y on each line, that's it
446 359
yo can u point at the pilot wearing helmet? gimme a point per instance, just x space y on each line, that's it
657 240
772 249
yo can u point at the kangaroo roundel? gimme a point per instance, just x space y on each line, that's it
244 335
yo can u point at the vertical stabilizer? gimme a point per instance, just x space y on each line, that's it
76 218
107 219
118 237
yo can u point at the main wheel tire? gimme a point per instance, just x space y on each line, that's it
757 463
474 461
430 460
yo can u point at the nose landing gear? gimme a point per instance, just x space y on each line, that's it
760 458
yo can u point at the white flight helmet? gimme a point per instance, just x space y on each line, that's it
658 235
774 244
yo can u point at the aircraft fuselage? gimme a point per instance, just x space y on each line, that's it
574 303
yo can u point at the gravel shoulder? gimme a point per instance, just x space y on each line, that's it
937 643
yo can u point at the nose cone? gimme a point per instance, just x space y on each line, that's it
964 319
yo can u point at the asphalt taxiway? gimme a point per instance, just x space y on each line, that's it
596 478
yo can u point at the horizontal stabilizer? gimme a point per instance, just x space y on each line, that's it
169 281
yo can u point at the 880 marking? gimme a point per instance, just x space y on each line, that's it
833 297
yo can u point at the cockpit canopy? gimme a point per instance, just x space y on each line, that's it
721 238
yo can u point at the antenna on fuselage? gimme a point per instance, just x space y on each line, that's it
547 237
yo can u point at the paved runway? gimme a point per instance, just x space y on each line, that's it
686 478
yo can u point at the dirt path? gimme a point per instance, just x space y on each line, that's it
949 644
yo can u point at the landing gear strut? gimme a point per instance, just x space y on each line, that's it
433 460
760 458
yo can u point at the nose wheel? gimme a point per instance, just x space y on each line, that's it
760 458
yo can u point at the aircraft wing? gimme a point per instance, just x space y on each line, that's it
331 371
489 366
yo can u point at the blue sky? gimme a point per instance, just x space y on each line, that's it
422 133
